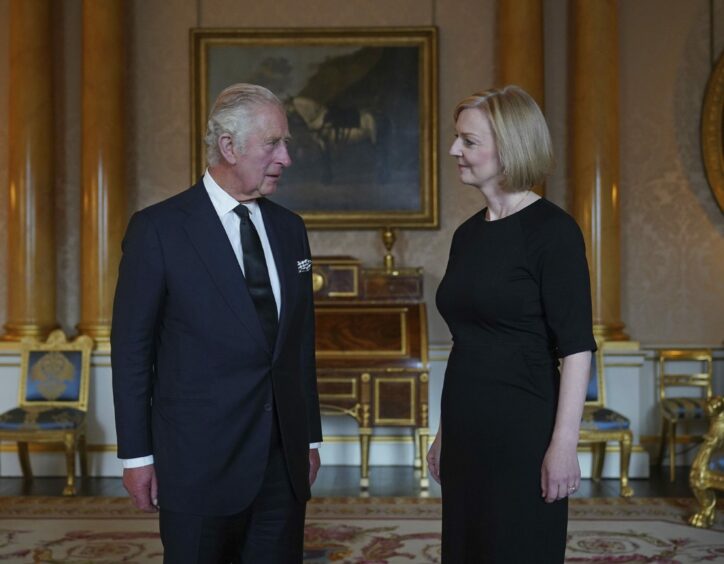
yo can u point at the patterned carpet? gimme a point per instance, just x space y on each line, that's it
89 530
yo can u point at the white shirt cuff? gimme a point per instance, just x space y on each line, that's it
137 462
146 460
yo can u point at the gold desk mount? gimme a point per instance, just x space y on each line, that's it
388 239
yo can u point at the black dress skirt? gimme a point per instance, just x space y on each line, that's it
516 296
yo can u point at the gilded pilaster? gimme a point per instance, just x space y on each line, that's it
594 153
103 163
520 48
520 45
31 231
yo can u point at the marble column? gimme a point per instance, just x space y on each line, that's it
103 177
31 206
520 48
594 153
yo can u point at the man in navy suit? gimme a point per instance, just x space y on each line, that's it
214 381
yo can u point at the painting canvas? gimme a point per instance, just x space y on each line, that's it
360 105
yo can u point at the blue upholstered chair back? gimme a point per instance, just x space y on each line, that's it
595 394
596 416
53 376
56 372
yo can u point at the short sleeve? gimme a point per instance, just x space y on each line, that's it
566 288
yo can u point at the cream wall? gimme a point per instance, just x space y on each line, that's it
673 233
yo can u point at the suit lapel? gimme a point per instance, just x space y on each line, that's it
208 237
285 268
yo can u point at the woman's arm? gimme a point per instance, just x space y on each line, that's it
561 474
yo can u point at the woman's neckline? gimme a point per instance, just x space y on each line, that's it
484 212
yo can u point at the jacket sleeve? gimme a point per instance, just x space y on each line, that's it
136 310
308 363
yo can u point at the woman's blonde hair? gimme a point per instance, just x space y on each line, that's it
521 134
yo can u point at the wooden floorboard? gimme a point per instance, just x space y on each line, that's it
385 481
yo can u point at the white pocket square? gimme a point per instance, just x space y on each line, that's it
304 265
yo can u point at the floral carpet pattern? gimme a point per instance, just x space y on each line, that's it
87 530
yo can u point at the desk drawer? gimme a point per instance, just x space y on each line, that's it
332 388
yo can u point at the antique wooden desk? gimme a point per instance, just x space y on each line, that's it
371 337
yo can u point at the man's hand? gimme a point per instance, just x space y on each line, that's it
141 485
314 464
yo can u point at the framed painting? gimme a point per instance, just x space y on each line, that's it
362 111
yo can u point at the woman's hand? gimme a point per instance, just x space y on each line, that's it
433 457
560 475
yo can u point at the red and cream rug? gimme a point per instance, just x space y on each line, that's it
89 530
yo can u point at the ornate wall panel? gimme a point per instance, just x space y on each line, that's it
316 13
672 239
672 229
160 117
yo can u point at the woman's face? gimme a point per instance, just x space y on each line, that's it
474 149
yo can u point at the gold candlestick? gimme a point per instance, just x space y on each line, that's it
388 239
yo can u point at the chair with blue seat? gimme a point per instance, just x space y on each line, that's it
53 401
600 425
707 470
677 408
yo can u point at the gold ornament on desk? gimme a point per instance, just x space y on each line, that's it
388 239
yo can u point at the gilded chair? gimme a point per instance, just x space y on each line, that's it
53 401
707 471
675 409
601 424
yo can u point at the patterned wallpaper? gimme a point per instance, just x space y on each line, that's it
672 237
68 174
673 231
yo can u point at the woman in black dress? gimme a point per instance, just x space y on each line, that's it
516 296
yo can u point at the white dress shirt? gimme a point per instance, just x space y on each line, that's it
224 205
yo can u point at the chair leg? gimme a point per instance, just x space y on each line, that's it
662 442
705 517
25 461
364 441
672 450
625 443
699 480
598 455
424 435
69 441
419 462
83 454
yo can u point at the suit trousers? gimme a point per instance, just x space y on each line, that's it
269 531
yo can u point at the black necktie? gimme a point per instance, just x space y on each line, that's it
257 275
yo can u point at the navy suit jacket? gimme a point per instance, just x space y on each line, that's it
193 376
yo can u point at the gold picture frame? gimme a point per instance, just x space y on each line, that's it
712 132
362 108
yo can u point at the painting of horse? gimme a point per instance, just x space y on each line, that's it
361 117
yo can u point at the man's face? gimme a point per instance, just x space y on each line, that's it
259 167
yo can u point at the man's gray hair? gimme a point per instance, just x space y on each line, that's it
233 113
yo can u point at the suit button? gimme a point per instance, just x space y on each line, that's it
267 407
